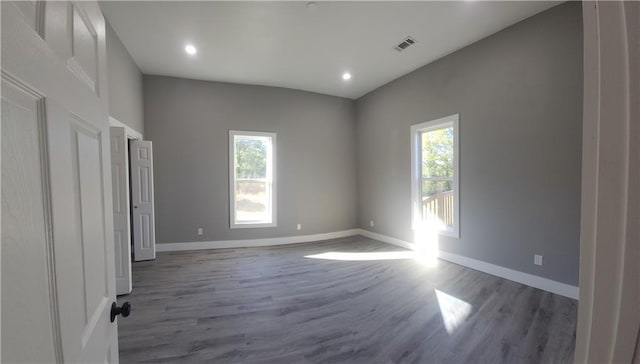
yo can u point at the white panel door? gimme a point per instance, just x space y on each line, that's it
57 205
144 237
121 226
26 240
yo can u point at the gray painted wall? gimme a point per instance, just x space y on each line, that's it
188 122
519 96
125 84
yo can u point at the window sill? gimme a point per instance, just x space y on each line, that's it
252 226
449 233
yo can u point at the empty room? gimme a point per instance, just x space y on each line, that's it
320 182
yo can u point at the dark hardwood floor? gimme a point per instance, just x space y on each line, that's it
275 305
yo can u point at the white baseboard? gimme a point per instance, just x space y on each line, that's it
249 243
546 284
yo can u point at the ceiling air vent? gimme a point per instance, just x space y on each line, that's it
406 43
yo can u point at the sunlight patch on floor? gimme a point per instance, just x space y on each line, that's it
426 243
420 257
361 256
453 310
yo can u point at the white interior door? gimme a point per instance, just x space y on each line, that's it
142 216
58 279
121 225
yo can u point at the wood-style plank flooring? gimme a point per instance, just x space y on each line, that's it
275 305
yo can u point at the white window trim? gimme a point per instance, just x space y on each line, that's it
232 200
416 178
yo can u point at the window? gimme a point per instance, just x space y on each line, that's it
252 179
434 182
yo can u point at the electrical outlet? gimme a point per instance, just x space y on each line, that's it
537 259
299 227
199 231
371 223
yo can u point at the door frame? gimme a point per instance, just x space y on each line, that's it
129 134
608 313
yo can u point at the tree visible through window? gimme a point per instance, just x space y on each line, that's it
435 173
252 179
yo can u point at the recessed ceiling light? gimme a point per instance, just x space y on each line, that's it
346 76
190 49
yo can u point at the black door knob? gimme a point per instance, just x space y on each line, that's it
125 310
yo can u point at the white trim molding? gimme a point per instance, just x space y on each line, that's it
545 284
608 328
130 132
250 243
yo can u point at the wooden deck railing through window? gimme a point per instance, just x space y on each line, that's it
439 205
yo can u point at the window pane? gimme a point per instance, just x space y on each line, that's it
430 188
252 173
251 157
437 153
437 202
252 201
434 177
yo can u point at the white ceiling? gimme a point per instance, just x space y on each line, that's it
287 44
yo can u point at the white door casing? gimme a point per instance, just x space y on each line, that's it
57 226
609 309
121 223
142 215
